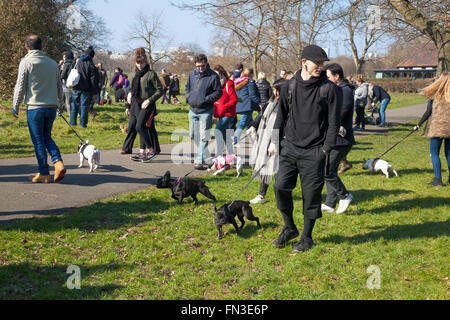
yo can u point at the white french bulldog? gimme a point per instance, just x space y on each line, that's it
221 164
379 165
91 154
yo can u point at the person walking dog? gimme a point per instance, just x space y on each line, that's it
307 124
39 86
438 109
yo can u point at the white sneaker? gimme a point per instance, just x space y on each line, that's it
326 208
343 204
258 199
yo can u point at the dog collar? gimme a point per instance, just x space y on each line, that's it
374 163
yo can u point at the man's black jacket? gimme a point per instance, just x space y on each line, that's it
311 122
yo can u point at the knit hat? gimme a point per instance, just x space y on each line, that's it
314 53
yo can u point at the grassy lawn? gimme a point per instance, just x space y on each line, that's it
399 100
105 132
144 246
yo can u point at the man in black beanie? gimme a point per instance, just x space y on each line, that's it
85 89
305 131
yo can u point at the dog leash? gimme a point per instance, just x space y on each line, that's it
396 144
253 178
60 115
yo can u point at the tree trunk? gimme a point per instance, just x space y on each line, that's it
430 28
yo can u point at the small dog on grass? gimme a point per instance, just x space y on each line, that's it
123 129
222 164
375 165
184 187
91 154
226 214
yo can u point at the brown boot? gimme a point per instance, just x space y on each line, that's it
60 171
40 179
345 165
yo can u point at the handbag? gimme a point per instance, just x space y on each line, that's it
74 77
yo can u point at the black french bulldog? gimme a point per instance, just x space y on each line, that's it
226 214
184 187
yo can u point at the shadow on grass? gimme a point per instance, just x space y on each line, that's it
406 205
98 216
364 195
397 232
27 281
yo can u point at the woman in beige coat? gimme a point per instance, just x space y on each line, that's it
439 110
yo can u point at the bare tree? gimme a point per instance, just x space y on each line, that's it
363 28
148 31
431 19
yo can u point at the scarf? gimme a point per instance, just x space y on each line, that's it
241 82
136 85
259 156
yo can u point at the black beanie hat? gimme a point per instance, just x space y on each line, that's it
90 51
314 53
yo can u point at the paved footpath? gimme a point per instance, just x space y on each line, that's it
21 199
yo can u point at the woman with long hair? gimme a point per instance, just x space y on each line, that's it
145 90
438 108
224 111
261 131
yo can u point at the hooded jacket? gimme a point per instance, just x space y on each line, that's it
310 122
202 90
88 75
226 105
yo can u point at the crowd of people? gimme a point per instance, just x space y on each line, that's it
303 125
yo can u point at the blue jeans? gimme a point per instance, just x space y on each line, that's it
40 123
435 148
383 107
221 135
81 102
100 95
199 129
245 119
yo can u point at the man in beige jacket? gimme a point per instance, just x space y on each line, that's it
39 87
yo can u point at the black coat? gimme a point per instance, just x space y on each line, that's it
265 90
88 75
67 67
345 94
310 122
174 88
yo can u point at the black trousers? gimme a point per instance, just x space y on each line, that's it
132 133
335 188
359 121
310 165
147 134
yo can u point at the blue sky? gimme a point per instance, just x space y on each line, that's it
184 26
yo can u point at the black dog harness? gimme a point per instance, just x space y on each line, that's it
82 151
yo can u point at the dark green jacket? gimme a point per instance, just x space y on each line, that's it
151 87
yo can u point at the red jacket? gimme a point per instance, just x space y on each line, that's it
226 105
